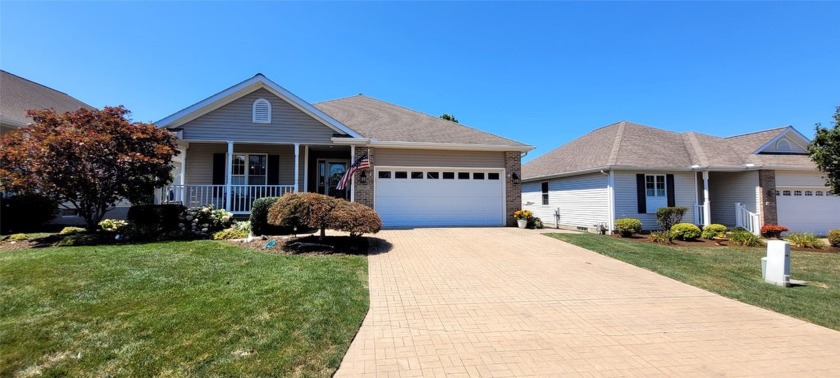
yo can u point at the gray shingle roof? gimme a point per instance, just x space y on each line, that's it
383 121
17 95
629 145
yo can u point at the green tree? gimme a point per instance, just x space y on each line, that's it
449 117
89 158
825 151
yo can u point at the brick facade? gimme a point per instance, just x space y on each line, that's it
767 195
513 202
364 192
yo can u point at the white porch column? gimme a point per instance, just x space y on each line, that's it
297 165
306 168
352 183
707 209
611 201
228 174
182 196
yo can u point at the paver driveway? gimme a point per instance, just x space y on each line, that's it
510 302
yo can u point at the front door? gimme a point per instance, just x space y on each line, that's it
329 173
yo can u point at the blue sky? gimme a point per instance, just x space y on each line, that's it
540 73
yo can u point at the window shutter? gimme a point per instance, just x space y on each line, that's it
273 168
640 193
669 187
219 161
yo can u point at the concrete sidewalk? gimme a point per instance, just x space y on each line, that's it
510 302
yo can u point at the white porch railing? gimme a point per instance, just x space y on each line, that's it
746 219
241 199
698 214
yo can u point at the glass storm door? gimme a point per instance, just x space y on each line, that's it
329 174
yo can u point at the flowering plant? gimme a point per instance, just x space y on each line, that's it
204 221
772 230
112 225
522 214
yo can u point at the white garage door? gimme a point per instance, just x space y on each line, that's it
439 197
808 209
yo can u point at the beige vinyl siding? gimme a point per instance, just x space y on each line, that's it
200 161
728 188
438 158
233 122
795 146
626 201
582 200
800 178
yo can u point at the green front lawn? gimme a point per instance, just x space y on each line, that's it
177 309
735 273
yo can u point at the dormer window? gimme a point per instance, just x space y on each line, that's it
261 111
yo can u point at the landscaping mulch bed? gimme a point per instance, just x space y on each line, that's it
310 245
715 243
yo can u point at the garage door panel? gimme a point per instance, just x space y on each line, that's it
808 209
440 202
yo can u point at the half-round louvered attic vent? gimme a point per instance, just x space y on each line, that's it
261 111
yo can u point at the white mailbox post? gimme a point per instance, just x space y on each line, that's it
777 271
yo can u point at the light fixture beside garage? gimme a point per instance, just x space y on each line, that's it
515 177
363 178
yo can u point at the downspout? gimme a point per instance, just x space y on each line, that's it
610 200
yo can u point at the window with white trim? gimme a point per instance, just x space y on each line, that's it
249 169
261 111
544 190
655 192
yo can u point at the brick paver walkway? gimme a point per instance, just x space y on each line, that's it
509 302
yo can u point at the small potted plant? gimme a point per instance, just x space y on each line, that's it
772 230
522 217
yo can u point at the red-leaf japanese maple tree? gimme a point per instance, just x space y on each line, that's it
89 158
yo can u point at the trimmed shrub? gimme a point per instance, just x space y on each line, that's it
744 238
302 209
355 218
112 225
713 230
535 222
805 240
26 212
18 237
834 237
71 230
150 221
667 217
628 227
79 239
242 226
230 233
661 237
772 230
259 218
685 231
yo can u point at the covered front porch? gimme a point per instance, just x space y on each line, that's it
232 175
731 198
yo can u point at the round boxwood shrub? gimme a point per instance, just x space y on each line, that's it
834 237
259 218
713 230
628 227
685 231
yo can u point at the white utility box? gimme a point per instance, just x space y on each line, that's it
777 271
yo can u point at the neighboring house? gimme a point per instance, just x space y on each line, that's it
257 139
626 170
17 95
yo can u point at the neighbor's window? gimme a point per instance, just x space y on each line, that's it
544 193
655 192
261 111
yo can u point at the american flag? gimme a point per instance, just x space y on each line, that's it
360 164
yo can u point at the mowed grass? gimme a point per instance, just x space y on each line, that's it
177 309
735 273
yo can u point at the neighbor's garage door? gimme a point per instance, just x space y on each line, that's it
439 197
808 209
